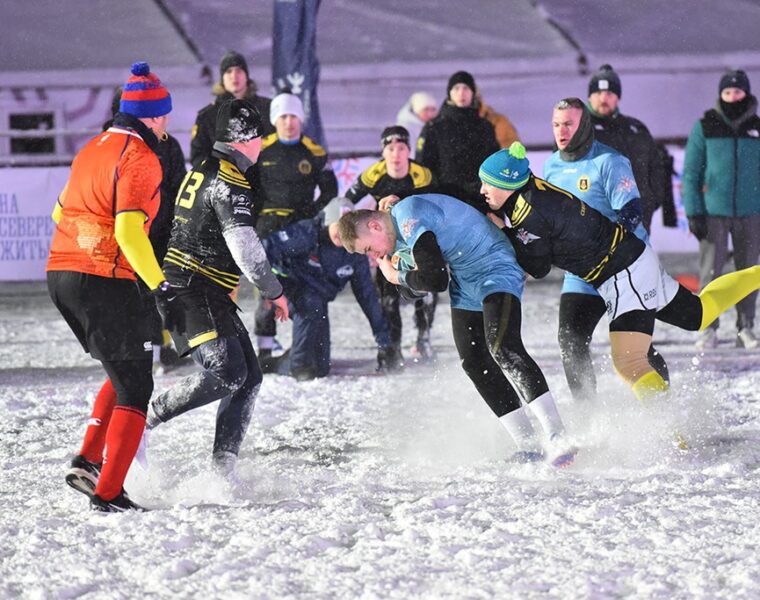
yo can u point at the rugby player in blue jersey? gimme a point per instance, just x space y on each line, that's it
431 242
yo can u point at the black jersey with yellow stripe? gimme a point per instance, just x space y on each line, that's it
550 226
212 198
376 181
288 174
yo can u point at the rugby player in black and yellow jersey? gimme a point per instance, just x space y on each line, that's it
213 240
549 226
397 176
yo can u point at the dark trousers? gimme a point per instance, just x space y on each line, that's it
713 254
231 374
493 356
310 352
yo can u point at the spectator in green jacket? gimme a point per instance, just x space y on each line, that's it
721 193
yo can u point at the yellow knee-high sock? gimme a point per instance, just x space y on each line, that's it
649 385
722 293
166 337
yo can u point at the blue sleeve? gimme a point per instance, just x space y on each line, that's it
619 183
297 239
366 294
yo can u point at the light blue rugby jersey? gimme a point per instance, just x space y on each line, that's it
480 257
604 180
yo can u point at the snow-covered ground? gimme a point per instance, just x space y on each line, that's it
365 486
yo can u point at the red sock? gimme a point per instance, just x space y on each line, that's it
95 436
122 441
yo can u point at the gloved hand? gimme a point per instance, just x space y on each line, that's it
170 307
389 359
698 227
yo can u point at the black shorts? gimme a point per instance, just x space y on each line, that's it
209 313
109 316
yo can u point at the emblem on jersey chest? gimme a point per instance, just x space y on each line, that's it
526 237
584 183
304 167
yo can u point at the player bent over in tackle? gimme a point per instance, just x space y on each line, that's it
212 242
437 242
549 226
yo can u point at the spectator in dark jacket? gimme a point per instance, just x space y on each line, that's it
291 167
454 144
313 267
721 194
234 82
632 139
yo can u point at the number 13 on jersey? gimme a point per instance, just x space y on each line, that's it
188 189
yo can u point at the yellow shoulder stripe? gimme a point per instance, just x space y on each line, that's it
373 173
238 182
542 184
521 211
313 147
230 170
231 174
268 140
421 176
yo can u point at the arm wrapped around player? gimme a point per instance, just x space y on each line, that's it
630 215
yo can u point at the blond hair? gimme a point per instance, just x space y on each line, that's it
352 224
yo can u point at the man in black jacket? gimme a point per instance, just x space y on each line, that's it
234 82
292 166
454 144
632 139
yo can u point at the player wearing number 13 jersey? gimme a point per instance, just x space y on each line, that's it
212 242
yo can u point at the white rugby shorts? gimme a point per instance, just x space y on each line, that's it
644 285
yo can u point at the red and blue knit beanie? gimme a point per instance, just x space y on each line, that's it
144 95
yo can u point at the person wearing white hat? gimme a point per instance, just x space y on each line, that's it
292 166
418 110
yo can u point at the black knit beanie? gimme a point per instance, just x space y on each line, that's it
233 59
605 79
734 79
460 77
394 133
